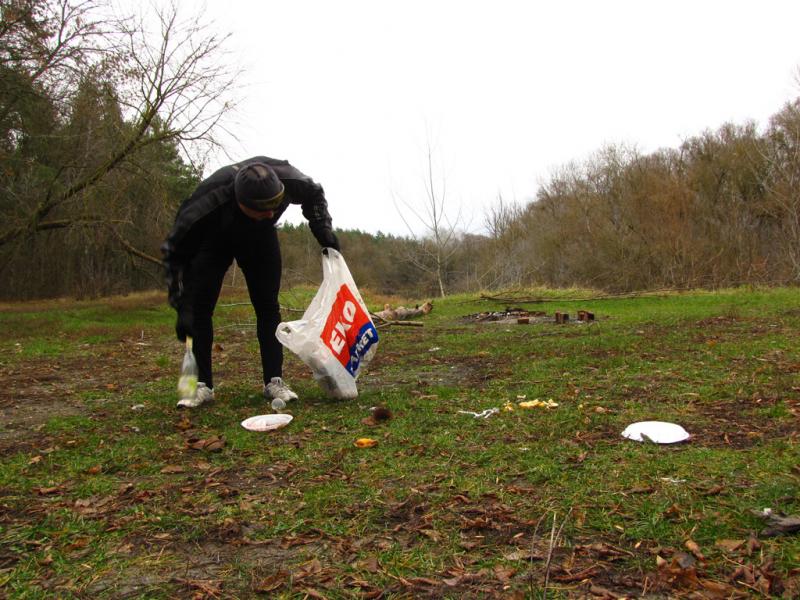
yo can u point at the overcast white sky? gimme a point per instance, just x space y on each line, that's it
350 91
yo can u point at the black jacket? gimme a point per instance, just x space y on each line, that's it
197 212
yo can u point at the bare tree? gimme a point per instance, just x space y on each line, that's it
505 266
172 84
50 41
439 242
782 180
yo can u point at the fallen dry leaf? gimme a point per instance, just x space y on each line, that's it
214 443
752 545
579 576
206 588
370 564
718 590
605 594
521 554
271 583
169 469
431 534
504 574
679 572
603 550
365 443
692 547
730 545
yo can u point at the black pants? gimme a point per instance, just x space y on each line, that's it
255 247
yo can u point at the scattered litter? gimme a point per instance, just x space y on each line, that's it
434 349
137 407
520 316
508 407
365 443
267 422
778 524
481 415
522 397
673 480
657 432
538 404
278 405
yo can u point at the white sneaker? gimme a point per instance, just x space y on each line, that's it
277 389
204 395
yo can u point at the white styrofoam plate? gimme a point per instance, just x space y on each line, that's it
656 431
267 422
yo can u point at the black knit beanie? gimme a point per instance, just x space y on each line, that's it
257 186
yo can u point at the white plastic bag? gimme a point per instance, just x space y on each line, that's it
336 336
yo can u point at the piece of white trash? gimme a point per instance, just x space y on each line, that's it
267 422
658 432
481 415
673 480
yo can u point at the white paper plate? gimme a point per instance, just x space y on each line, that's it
656 431
267 422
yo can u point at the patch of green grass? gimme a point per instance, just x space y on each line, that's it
441 493
42 348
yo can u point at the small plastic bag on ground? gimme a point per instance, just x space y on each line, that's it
187 382
335 337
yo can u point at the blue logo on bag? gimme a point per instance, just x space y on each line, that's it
367 336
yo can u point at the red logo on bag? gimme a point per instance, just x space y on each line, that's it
348 331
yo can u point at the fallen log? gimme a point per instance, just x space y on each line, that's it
401 313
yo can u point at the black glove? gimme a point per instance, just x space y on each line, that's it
185 325
328 239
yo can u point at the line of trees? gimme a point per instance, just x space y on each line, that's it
97 112
99 115
722 209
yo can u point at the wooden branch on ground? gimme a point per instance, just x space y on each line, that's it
387 322
537 300
283 308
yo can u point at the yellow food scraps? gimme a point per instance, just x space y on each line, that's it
365 443
508 407
538 404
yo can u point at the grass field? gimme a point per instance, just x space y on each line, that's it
103 496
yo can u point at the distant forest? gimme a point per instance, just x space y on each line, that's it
93 168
